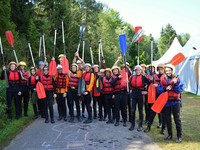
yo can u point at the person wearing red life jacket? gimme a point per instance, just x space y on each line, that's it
32 81
88 77
156 80
25 91
119 96
174 86
50 90
40 68
137 84
14 89
61 91
96 94
72 96
107 95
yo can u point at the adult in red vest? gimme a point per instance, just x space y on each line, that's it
25 90
107 95
156 80
72 96
175 87
88 77
50 90
96 94
119 96
61 91
14 89
137 84
32 81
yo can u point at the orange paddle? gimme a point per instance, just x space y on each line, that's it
177 59
151 94
40 90
160 102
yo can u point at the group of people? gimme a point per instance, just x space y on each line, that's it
99 91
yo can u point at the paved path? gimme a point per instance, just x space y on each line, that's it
78 136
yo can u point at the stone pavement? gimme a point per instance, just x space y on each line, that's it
78 136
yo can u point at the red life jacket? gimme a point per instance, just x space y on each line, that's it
117 86
73 81
47 81
33 81
136 82
107 87
95 93
13 77
61 81
86 77
172 95
155 78
25 75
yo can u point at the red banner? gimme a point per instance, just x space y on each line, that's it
136 29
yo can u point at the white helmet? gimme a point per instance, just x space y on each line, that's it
138 67
87 64
59 67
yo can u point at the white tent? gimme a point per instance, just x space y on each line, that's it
174 49
191 72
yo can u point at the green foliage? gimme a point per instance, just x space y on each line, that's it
167 36
183 38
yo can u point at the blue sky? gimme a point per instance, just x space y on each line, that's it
152 15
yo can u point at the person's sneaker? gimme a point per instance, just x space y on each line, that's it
59 118
65 119
87 121
124 124
132 128
79 119
169 137
178 140
52 120
162 132
36 116
109 122
104 119
100 119
139 129
83 116
46 120
147 130
159 125
71 119
116 124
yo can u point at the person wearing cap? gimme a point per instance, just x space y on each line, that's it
40 68
88 77
32 81
14 89
137 84
50 90
153 78
158 77
174 86
107 91
72 96
25 91
119 96
61 92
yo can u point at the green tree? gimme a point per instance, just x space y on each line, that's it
183 38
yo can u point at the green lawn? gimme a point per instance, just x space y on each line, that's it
14 127
190 116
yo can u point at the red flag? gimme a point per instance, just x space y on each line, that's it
136 29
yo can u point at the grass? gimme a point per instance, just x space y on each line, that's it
14 127
190 117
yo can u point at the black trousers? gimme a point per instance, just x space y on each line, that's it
175 111
87 100
72 97
146 108
10 95
95 101
61 102
120 103
25 97
48 103
129 105
98 99
137 100
109 106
